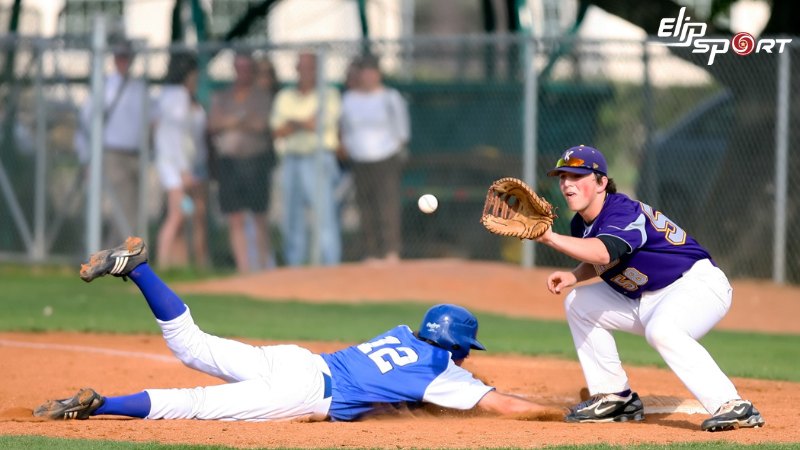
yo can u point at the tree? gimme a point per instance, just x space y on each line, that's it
740 225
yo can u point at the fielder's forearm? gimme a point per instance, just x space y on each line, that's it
590 250
584 271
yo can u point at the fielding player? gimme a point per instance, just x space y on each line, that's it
657 282
284 382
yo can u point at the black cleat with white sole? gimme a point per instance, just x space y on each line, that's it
733 415
607 408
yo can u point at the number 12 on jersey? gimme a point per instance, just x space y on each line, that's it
377 352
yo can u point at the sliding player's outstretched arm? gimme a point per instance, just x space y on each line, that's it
510 405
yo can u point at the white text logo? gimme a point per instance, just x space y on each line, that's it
433 326
685 32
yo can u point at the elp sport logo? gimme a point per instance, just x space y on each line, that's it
691 34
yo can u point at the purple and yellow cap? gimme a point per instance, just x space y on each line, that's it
581 160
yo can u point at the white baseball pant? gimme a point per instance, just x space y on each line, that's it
672 319
279 382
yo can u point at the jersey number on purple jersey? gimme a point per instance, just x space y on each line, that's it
673 233
630 279
377 351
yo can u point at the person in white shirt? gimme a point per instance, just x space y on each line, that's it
125 117
375 130
181 161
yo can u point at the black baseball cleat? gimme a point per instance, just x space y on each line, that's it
118 261
79 407
733 415
607 408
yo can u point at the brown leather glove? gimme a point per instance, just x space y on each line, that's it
512 208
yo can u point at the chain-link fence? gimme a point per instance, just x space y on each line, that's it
703 144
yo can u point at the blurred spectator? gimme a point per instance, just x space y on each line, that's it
238 123
267 80
375 131
308 172
351 75
124 120
266 77
181 160
350 83
345 191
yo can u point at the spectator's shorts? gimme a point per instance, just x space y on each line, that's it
244 183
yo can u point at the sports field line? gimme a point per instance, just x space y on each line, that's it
86 349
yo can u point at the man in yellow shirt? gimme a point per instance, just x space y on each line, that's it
309 169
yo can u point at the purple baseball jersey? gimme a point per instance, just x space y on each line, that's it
659 251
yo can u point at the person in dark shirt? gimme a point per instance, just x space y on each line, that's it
658 282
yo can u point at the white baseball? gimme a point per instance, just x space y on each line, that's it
428 203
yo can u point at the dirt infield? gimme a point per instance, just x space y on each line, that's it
41 366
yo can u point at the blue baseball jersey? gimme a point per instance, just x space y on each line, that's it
659 251
397 367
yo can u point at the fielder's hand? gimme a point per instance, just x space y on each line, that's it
560 280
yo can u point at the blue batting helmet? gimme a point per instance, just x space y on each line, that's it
452 328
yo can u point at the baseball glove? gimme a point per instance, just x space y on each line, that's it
512 208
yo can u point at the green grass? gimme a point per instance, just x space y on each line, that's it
46 443
109 306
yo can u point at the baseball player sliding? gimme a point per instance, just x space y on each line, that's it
289 382
658 282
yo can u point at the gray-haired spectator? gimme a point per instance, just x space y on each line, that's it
125 100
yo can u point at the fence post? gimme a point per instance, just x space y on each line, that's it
316 225
40 198
141 226
647 93
94 226
781 169
529 134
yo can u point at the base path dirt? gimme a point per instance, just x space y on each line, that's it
40 366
